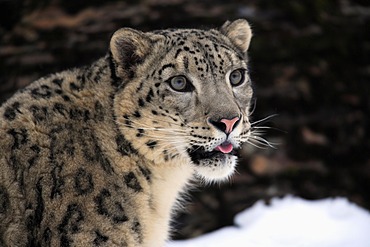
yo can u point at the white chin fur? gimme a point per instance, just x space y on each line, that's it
215 171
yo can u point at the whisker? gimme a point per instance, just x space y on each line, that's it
145 127
268 127
169 144
255 145
262 141
254 107
264 119
149 118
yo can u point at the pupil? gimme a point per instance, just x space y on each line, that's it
179 83
236 77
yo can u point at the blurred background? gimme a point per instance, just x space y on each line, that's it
310 63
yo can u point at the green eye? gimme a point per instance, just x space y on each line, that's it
237 77
180 83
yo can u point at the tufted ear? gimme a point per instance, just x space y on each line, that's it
239 32
129 48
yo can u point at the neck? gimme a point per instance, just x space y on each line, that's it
169 182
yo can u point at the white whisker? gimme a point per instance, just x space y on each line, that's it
262 141
144 127
255 145
263 119
254 108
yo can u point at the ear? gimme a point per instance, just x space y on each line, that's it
129 48
239 32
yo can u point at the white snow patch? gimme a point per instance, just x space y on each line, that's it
292 222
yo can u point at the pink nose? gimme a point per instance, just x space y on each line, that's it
225 125
229 124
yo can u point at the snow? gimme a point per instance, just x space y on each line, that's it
292 222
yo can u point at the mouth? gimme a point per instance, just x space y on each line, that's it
198 153
225 147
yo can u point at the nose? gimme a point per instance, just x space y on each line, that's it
225 125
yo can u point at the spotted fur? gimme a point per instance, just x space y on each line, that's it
97 156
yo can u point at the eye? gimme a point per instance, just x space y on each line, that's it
237 77
180 83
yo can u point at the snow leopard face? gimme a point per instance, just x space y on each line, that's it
188 94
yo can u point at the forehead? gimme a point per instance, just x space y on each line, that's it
203 50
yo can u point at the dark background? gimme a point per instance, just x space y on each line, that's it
310 63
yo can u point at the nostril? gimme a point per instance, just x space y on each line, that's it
226 125
219 125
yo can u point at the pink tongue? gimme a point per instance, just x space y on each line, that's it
225 148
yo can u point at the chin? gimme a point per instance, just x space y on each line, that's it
216 169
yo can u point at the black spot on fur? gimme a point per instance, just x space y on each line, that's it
72 219
100 238
87 74
154 112
132 182
63 142
140 133
11 111
46 237
166 156
33 221
124 146
62 146
137 230
107 206
83 182
39 211
71 224
145 172
138 89
58 181
39 113
20 137
169 65
42 92
186 63
141 102
16 164
99 201
98 73
137 114
58 81
60 109
79 114
178 52
36 149
74 87
149 96
92 150
151 144
113 73
127 121
136 226
4 200
65 241
99 111
66 98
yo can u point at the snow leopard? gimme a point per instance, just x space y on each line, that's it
100 155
